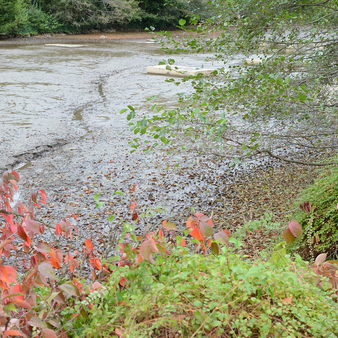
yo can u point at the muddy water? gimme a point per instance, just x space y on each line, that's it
50 95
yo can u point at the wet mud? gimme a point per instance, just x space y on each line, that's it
60 126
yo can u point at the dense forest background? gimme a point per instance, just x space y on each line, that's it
24 17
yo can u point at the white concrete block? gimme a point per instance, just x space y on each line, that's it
253 61
180 71
68 45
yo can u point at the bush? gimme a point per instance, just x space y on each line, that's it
195 286
319 216
198 295
166 14
13 16
82 15
40 22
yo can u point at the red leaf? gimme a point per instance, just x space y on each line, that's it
295 228
147 249
287 300
56 258
89 246
161 234
140 259
58 229
135 216
119 333
206 230
14 175
306 206
123 281
16 296
288 236
43 195
183 242
73 263
46 270
78 284
7 274
197 234
320 259
69 290
65 228
169 225
203 219
14 333
43 248
223 236
32 226
34 197
192 222
48 333
21 303
23 234
96 263
96 286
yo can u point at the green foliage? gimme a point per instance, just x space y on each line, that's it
46 16
13 16
40 22
319 220
81 15
190 294
278 71
161 284
162 14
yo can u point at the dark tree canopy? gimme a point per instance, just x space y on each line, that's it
45 16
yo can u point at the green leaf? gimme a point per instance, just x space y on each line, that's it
278 257
182 22
164 139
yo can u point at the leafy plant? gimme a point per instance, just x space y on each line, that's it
13 16
275 82
31 294
187 294
318 215
40 22
166 282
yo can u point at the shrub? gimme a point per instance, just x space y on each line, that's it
44 289
13 16
206 295
40 22
166 14
82 15
319 216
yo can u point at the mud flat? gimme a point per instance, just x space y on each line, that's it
60 126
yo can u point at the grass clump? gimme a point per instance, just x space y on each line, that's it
318 216
189 294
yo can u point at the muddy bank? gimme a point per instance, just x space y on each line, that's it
60 125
